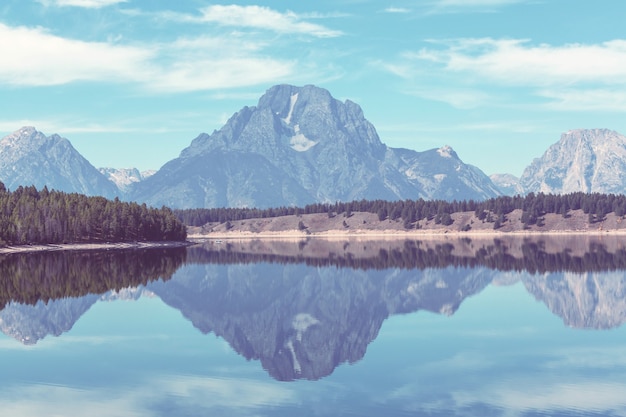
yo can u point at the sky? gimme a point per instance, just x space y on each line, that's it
132 82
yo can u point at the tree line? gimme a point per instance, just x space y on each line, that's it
31 216
535 260
533 205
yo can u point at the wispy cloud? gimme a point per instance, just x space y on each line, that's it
39 58
464 6
602 100
399 10
88 4
518 62
461 98
560 77
257 17
475 3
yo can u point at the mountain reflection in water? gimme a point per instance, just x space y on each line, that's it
303 308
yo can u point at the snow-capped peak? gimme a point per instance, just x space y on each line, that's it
446 151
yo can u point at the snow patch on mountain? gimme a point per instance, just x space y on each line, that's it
445 151
299 146
124 178
299 142
292 104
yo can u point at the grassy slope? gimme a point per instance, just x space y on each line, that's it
368 223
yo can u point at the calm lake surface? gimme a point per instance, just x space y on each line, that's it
469 327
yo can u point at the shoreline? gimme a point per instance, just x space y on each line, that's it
92 246
395 234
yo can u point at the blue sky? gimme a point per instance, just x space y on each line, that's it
132 82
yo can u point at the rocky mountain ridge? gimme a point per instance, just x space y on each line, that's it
583 160
124 178
28 157
587 160
298 146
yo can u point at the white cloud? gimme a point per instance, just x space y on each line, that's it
517 62
39 58
257 17
475 72
468 6
89 4
602 100
475 3
397 10
461 98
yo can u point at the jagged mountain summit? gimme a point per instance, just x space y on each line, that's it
298 146
124 178
587 160
28 157
507 184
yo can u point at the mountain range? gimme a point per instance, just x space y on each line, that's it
299 145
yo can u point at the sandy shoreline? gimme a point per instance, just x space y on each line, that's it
297 235
362 225
91 246
394 234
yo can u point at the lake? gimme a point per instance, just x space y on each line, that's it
470 327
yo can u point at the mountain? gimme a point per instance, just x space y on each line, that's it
507 184
124 178
28 157
299 145
587 160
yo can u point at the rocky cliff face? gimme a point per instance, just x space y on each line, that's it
587 160
299 145
28 157
507 184
124 178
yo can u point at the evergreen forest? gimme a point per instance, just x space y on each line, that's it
31 216
494 210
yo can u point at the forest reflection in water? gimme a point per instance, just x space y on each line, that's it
303 308
429 327
533 254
